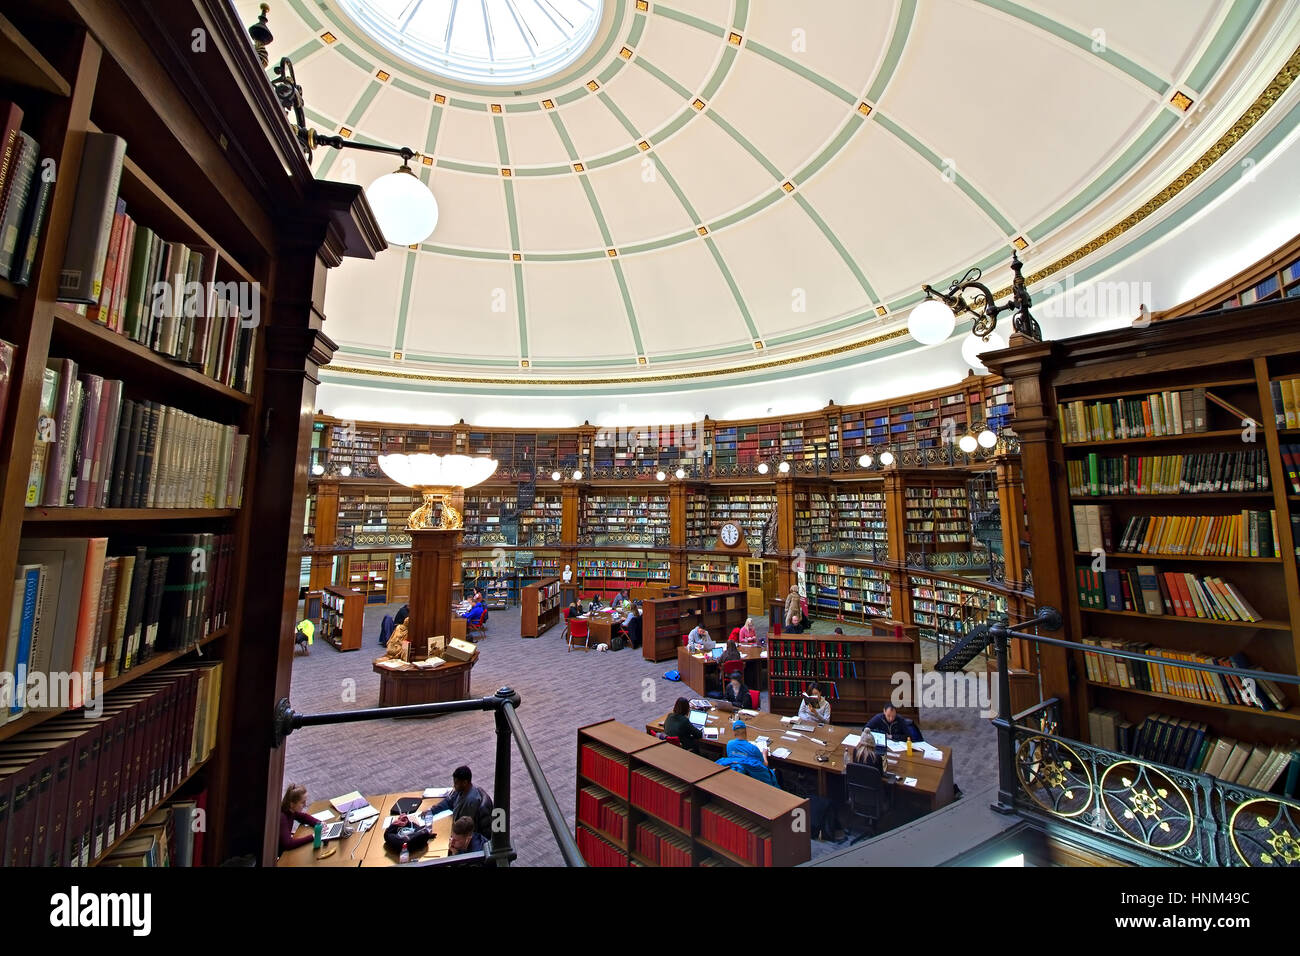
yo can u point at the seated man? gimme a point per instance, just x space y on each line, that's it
744 757
894 727
464 838
798 624
814 707
699 639
467 800
475 613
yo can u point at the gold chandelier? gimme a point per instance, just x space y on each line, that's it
438 478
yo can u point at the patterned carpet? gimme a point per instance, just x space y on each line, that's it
560 691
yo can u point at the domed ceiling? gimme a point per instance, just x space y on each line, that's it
714 186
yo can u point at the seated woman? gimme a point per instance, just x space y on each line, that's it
814 707
731 652
736 693
294 810
678 724
747 633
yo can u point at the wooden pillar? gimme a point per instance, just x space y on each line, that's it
900 593
435 569
678 493
571 503
1011 505
326 529
785 535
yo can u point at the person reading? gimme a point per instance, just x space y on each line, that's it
889 723
699 639
467 800
740 746
294 810
678 724
814 707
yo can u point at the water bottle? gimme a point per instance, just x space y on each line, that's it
316 836
909 746
405 855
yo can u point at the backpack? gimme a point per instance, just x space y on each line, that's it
616 643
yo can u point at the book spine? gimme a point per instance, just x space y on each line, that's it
92 218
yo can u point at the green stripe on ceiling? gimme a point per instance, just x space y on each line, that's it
677 190
528 106
1004 226
841 139
431 137
612 362
511 216
1082 41
503 154
304 51
341 25
567 256
411 88
374 353
668 13
663 243
724 65
674 124
399 342
523 321
735 289
542 170
359 108
304 11
610 71
1165 122
564 99
466 253
839 246
1224 42
662 77
619 115
596 211
835 326
638 27
467 104
762 202
323 171
320 119
742 14
564 136
622 154
746 144
810 75
468 167
703 353
897 43
456 360
349 54
627 304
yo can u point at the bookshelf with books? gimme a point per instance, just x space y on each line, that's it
130 410
490 517
842 591
700 531
541 523
937 516
747 507
369 575
853 670
539 607
712 573
493 573
604 572
813 519
1173 515
342 618
947 608
645 802
665 621
860 519
633 520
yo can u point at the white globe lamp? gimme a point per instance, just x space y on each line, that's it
404 207
974 345
931 322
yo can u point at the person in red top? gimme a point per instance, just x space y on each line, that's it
294 809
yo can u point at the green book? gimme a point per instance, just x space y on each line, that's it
138 282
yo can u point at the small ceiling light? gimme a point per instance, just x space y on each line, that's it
577 475
784 467
762 468
886 458
318 469
987 438
967 443
555 476
346 471
865 461
660 475
931 322
680 472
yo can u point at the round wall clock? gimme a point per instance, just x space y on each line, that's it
730 534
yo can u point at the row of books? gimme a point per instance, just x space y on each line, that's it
71 787
601 811
735 833
661 846
1178 681
792 668
96 449
809 650
78 611
598 852
1148 416
1146 590
797 688
1250 534
171 836
1202 473
662 795
1291 466
25 187
605 767
1188 745
1286 402
162 294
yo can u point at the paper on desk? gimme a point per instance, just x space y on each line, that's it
392 663
909 781
789 736
364 813
747 713
780 753
925 748
761 742
710 733
852 740
762 654
325 816
896 746
788 720
934 755
436 793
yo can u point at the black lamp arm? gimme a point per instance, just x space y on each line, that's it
313 138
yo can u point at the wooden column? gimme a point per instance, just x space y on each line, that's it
678 492
435 569
785 536
900 600
327 521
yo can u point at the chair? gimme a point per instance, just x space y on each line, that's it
479 626
868 797
565 614
386 628
660 735
754 698
727 668
579 631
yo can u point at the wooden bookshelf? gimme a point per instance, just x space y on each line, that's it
667 620
119 68
664 800
539 607
342 618
1237 354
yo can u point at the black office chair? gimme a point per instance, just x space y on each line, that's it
869 798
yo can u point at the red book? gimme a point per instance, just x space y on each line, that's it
122 278
100 313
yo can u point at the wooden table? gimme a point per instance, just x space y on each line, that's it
367 849
700 672
409 684
933 777
603 625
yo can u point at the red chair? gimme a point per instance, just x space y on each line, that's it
477 627
754 698
735 634
660 735
732 667
579 630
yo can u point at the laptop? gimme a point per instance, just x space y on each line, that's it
716 653
331 831
699 718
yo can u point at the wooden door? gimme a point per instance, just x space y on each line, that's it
758 579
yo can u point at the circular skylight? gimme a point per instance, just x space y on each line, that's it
482 41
